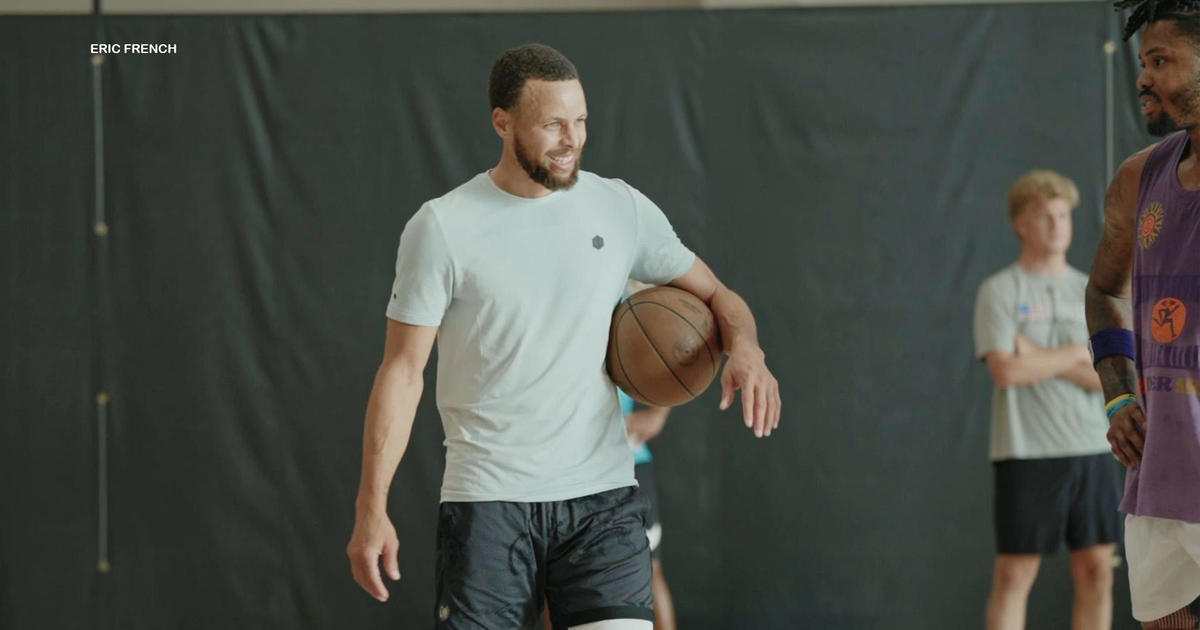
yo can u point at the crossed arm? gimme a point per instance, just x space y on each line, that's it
1033 364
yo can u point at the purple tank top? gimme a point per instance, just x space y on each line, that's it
1166 324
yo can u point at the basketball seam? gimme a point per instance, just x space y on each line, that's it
707 349
660 354
621 360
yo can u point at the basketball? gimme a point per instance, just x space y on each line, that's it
664 347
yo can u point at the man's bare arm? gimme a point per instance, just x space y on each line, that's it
1083 375
1031 359
1027 368
746 368
644 425
1107 302
390 413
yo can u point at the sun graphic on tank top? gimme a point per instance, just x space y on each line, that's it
1151 225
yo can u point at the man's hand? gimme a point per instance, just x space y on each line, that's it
374 536
1126 434
747 371
644 425
1025 346
746 368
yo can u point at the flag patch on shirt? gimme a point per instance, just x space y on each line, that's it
1027 312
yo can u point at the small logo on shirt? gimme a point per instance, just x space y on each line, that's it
598 241
1167 320
1027 311
1151 225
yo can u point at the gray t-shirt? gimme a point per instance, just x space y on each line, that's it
524 290
1054 418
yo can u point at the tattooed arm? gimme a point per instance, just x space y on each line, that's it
1107 304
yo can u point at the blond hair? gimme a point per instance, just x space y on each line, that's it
1040 185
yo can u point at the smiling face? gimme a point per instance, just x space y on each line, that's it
549 129
1169 84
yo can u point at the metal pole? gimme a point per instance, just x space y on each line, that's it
1110 49
100 229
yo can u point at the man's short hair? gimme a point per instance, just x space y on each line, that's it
517 65
1040 185
1184 13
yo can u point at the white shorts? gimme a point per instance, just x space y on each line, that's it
1164 565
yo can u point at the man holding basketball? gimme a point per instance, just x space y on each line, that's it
515 274
1142 302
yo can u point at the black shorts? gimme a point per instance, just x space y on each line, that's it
1040 503
588 558
644 473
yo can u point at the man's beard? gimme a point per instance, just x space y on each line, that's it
1186 100
541 174
1161 126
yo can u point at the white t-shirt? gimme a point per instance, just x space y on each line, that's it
1053 418
524 290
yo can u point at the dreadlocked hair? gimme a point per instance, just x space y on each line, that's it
1185 14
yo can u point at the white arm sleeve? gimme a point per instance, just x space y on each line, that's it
995 319
660 256
424 281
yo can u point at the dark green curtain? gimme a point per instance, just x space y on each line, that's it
844 170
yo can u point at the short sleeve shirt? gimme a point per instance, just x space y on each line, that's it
1053 418
523 291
